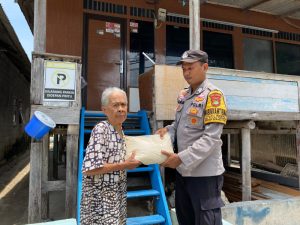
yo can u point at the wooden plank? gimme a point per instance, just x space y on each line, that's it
246 165
238 42
60 115
240 124
298 150
146 85
267 165
40 25
168 81
243 73
247 84
35 182
68 58
160 43
258 131
54 185
37 81
280 188
55 157
165 94
228 150
71 170
273 177
134 99
59 222
260 116
230 131
78 87
45 177
260 91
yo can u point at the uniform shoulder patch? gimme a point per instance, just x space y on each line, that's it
215 110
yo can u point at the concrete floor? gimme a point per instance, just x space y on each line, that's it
14 183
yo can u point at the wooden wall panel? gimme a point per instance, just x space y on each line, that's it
65 21
64 27
146 90
168 81
14 97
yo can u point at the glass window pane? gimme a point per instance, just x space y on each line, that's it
288 58
141 40
177 41
219 49
258 55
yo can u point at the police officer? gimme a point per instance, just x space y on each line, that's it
197 129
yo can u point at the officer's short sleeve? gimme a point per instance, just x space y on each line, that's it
215 109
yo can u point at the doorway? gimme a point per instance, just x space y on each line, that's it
103 57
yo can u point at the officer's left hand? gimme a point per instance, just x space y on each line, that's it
172 161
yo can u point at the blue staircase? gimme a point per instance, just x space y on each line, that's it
136 124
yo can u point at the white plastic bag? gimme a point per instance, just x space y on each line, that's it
148 148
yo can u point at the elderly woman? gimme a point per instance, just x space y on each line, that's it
104 182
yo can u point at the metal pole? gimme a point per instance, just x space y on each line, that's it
194 16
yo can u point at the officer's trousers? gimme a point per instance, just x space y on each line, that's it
198 200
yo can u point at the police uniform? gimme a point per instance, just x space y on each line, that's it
198 125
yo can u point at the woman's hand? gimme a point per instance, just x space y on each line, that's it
162 132
131 162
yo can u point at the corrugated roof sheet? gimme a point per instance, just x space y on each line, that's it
11 46
288 8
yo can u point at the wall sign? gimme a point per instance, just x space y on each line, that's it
59 81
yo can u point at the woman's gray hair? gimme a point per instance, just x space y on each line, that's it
107 93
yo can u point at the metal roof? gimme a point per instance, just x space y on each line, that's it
27 7
283 8
11 47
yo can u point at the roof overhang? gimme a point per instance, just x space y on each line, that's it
11 47
27 7
281 8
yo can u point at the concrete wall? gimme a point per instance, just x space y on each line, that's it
14 102
264 212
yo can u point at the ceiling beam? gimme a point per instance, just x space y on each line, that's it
290 12
253 5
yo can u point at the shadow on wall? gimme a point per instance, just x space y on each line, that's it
21 145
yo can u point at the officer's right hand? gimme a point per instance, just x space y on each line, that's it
162 132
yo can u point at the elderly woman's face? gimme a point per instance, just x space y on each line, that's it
116 110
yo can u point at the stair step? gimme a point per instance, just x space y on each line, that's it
87 131
145 220
141 169
142 193
134 132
